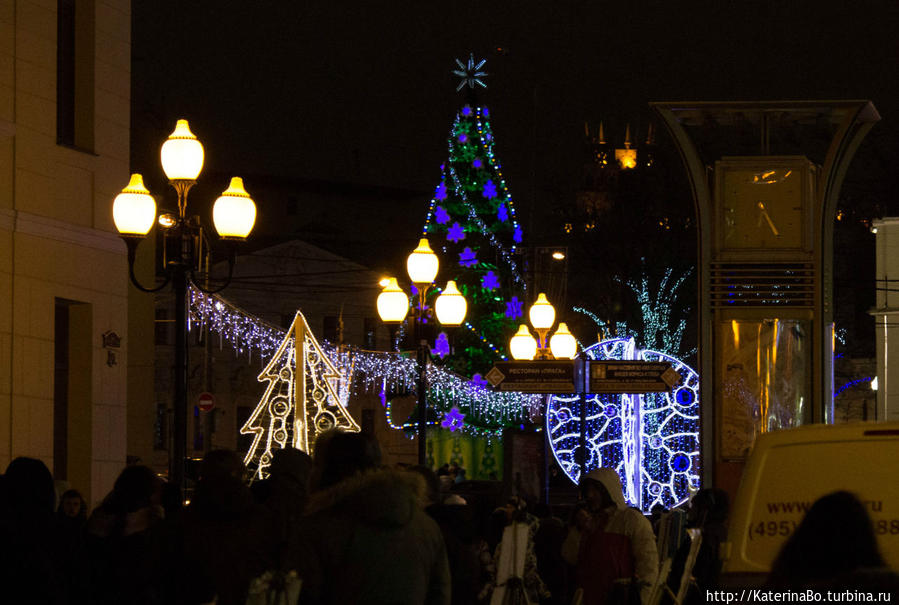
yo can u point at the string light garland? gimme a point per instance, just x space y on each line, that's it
850 384
486 412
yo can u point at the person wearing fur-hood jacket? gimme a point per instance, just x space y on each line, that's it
618 543
367 539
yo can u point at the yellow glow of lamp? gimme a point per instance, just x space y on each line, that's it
563 344
182 154
422 264
523 346
627 158
393 304
234 212
134 209
542 313
451 306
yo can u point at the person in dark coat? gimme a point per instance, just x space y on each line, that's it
462 543
126 545
227 535
71 517
28 572
365 536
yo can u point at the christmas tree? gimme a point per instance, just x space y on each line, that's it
471 218
300 402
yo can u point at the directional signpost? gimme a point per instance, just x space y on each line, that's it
631 377
535 376
560 377
567 377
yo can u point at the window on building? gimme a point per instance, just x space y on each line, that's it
75 73
60 391
72 390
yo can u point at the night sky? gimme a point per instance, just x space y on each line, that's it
362 92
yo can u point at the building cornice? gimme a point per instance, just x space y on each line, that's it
884 311
60 231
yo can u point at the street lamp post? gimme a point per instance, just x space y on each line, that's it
542 314
562 345
134 211
450 308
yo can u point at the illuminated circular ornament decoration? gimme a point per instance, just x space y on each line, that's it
650 439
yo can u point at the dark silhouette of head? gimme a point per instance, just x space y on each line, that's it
222 463
432 482
709 505
136 487
836 537
291 464
345 455
30 492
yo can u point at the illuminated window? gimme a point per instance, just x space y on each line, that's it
567 227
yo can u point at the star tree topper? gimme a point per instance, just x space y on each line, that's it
471 74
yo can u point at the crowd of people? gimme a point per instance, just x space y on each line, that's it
344 528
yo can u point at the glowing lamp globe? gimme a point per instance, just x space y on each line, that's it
563 344
393 304
523 346
182 154
134 209
542 313
234 212
422 264
451 305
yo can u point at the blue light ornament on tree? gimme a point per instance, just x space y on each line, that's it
440 194
490 281
454 419
467 258
514 308
441 346
456 233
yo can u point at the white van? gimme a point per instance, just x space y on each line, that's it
788 470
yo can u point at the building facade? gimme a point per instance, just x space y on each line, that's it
886 316
64 154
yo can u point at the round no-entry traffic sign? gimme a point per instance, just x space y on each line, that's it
206 401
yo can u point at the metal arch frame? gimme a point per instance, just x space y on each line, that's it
858 118
698 177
